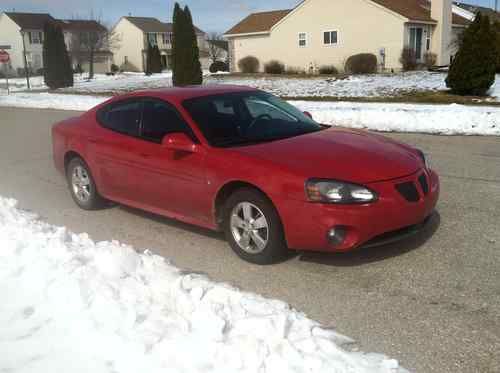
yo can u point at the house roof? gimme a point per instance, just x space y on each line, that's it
414 10
81 25
30 21
494 16
259 22
150 24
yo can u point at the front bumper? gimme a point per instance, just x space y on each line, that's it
307 224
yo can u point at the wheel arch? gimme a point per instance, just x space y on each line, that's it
69 156
227 190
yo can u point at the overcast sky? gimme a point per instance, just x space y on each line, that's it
209 15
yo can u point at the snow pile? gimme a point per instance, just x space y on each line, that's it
58 101
434 119
69 304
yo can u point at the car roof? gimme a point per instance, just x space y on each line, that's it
180 94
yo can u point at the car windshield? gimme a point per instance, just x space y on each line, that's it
246 118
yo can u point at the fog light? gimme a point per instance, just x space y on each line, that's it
336 235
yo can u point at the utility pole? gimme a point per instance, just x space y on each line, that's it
25 61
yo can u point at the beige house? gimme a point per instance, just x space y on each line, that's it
80 36
136 32
326 32
16 26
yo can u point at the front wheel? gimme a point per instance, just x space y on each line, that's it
253 228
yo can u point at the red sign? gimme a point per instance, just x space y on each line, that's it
4 57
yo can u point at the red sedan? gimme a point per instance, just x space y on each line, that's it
244 161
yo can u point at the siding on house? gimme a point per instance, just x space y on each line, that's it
374 28
131 45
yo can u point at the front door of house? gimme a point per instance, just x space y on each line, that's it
416 38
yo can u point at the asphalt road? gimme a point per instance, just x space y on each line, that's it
432 302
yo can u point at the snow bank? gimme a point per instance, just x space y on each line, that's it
435 119
46 100
69 304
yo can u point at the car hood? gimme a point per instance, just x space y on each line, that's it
341 154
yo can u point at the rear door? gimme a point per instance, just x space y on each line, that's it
112 147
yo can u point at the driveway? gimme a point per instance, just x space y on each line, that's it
432 302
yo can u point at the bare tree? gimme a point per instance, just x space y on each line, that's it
85 43
214 50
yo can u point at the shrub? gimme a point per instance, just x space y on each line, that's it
114 68
472 72
218 66
294 71
249 65
364 63
328 70
430 59
274 67
408 59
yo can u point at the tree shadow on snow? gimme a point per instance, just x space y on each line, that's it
375 254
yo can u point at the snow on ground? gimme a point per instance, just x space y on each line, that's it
70 304
437 119
379 85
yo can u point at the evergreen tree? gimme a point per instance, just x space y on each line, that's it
186 67
473 69
58 72
195 75
156 67
149 60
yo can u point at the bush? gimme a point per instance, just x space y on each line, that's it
218 66
472 72
58 72
114 68
328 70
430 59
249 65
408 59
274 67
294 71
364 63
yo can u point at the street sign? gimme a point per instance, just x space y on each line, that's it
4 57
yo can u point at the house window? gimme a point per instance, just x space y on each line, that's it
166 38
35 37
302 39
152 39
330 37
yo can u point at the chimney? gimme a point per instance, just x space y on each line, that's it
441 11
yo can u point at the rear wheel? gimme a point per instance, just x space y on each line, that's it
253 228
82 185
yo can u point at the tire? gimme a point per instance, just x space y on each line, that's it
242 221
82 186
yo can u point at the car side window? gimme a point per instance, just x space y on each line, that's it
123 117
160 119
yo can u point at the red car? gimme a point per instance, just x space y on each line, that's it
243 161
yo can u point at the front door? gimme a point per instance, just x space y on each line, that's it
169 182
416 38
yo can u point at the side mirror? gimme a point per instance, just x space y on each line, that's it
179 142
308 114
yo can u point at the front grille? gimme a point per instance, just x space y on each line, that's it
409 191
423 183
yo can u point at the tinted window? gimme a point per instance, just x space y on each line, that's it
248 117
160 119
123 117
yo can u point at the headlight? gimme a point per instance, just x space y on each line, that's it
330 191
425 158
